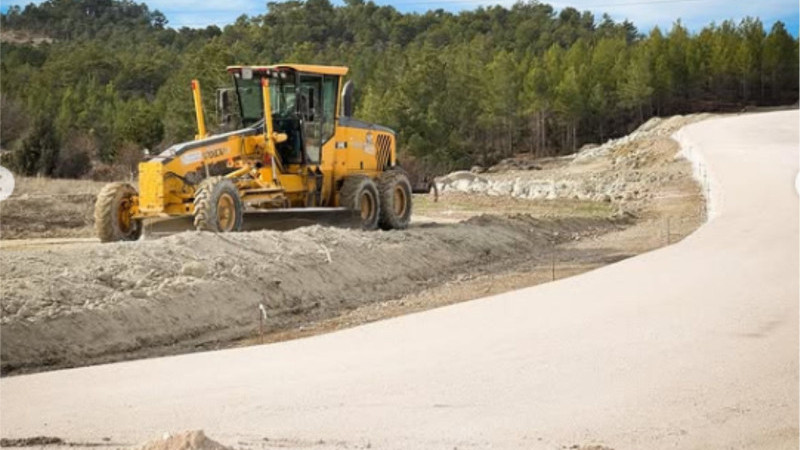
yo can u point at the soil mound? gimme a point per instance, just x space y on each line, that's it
187 440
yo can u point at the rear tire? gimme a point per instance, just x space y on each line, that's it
360 195
217 206
112 214
395 192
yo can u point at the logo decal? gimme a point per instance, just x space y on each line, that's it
192 157
196 156
214 152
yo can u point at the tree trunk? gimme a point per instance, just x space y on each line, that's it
744 88
544 131
575 136
509 136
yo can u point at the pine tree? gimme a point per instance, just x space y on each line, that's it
780 62
38 153
459 88
635 89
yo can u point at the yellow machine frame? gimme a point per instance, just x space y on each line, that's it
168 182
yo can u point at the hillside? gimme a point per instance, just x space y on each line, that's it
103 80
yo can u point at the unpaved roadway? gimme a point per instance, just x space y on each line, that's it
691 346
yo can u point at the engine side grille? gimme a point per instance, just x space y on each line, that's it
384 147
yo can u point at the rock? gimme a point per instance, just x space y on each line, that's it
188 440
106 278
477 169
194 269
459 175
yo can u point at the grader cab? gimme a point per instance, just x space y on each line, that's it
298 149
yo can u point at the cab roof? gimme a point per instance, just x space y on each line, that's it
309 68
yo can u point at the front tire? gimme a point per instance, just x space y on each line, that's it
113 220
217 206
360 195
395 192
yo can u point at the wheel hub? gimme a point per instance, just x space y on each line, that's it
399 201
226 212
367 206
124 216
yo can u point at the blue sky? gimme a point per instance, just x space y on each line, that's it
644 13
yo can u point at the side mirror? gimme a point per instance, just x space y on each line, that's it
224 107
347 99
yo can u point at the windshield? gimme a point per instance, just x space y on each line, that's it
281 94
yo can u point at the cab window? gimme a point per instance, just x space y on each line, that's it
309 97
329 85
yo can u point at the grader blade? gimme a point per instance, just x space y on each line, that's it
278 220
289 219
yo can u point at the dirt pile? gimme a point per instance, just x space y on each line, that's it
656 127
75 305
24 37
629 169
188 440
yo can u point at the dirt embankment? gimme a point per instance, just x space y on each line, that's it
24 37
77 305
630 171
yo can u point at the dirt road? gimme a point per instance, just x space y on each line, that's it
691 346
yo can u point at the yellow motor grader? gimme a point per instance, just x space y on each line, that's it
298 150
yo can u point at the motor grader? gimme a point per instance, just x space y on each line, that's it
298 149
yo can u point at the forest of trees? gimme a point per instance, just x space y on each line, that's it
460 89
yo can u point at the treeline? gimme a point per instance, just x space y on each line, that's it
461 89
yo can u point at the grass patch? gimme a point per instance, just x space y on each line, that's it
457 205
38 186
